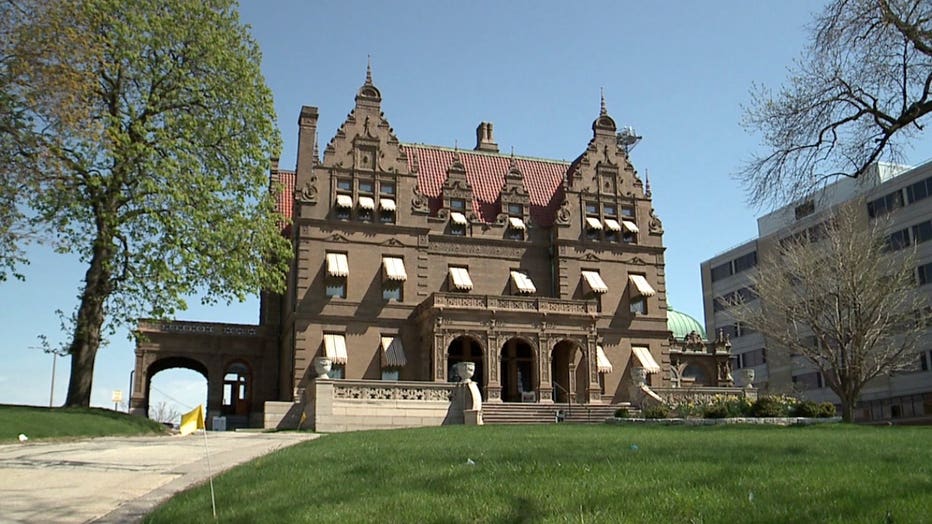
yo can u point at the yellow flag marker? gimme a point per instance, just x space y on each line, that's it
192 420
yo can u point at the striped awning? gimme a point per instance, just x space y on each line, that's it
630 226
337 265
516 223
523 283
612 224
366 203
458 218
344 201
386 204
394 268
645 358
594 282
393 352
593 223
640 287
459 277
602 362
335 348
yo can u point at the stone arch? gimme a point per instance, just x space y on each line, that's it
466 347
519 374
162 364
569 370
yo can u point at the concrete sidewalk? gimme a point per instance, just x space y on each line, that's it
117 479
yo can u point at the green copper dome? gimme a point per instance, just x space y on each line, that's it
682 324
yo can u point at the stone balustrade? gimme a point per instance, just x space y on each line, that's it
199 328
390 390
511 303
702 394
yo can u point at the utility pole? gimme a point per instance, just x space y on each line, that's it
52 389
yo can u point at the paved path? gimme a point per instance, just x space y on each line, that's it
117 479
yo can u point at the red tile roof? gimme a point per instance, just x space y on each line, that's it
484 171
486 174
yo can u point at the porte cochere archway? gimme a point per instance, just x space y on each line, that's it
239 362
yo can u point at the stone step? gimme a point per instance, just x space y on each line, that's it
514 413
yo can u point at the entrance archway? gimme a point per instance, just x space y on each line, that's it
176 391
568 372
466 349
237 389
518 371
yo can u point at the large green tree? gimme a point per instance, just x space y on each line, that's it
860 92
151 127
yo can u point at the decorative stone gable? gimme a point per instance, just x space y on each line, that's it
457 188
604 169
514 193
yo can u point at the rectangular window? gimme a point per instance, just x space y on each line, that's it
516 210
924 361
638 305
922 232
344 184
805 209
919 191
458 204
365 187
393 290
390 374
627 212
925 273
721 271
746 262
898 240
592 208
610 210
387 188
808 381
336 287
885 204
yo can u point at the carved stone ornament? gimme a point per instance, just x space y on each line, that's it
309 191
323 365
655 225
564 214
418 201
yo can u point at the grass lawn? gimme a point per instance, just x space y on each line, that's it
40 423
571 473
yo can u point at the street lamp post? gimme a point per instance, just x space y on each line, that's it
52 388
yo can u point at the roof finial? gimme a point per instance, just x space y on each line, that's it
646 183
368 69
603 111
512 151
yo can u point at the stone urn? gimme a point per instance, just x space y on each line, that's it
465 370
638 376
746 376
323 365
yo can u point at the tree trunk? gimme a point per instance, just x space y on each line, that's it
89 323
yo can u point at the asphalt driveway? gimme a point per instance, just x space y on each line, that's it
117 479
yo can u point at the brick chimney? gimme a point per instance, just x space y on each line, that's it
484 139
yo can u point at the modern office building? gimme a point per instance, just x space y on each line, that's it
899 195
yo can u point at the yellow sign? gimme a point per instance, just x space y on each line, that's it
117 396
192 420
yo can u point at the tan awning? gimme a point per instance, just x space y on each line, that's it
459 276
612 224
593 223
516 223
604 365
523 282
335 348
630 226
645 358
640 287
344 201
366 203
337 265
458 218
393 353
386 204
394 268
594 282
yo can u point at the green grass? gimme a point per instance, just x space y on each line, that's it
832 473
43 423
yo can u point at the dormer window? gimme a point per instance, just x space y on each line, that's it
458 221
457 204
610 218
516 225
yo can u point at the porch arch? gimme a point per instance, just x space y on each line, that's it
166 363
520 378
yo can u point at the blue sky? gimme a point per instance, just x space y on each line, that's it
677 71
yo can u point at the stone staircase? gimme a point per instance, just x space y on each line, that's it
532 413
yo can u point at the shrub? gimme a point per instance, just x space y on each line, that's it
657 411
621 413
769 407
807 408
826 410
717 410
